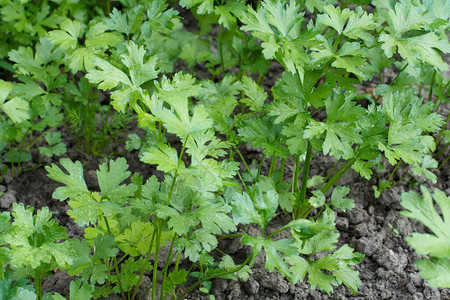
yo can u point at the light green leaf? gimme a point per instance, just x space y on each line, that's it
338 200
17 109
422 209
67 38
74 181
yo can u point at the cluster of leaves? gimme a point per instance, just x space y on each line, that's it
208 187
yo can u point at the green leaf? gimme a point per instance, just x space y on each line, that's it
164 156
74 181
5 88
244 212
428 163
334 17
344 273
55 147
406 18
273 259
338 200
275 23
67 38
110 179
318 198
256 96
436 272
436 268
105 247
177 93
80 290
262 132
108 76
350 56
140 71
422 209
206 6
117 21
17 109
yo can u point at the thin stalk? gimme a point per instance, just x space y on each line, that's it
229 236
295 175
401 179
217 275
243 160
395 78
155 263
332 170
273 164
283 162
12 159
221 51
242 180
393 172
338 175
260 166
375 45
106 7
38 284
430 92
445 160
166 267
442 150
438 138
19 161
177 263
305 177
144 267
442 93
116 266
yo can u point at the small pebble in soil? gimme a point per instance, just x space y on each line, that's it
275 282
369 245
7 200
251 286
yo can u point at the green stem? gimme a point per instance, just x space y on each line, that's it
116 266
283 162
395 78
445 160
144 267
166 267
338 175
332 170
295 175
11 158
155 263
243 160
305 176
393 172
401 179
38 284
273 164
221 51
430 92
260 166
229 236
438 138
217 275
